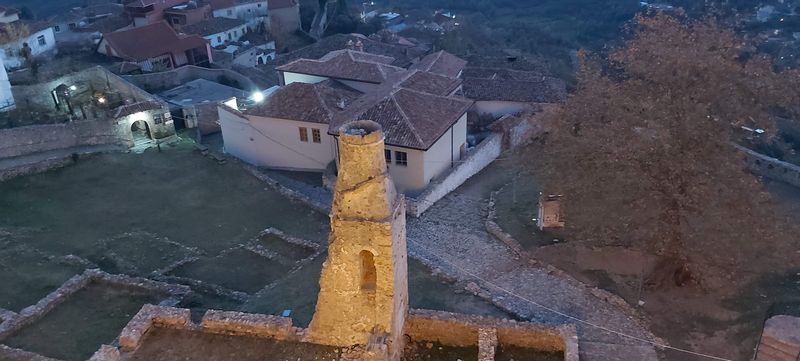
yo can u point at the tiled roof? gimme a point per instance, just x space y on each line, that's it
281 4
442 63
402 54
345 65
430 83
142 43
502 73
546 90
134 108
224 4
108 25
316 103
412 119
212 26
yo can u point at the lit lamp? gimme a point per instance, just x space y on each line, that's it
257 96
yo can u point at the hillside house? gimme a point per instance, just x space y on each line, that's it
426 127
499 91
252 12
75 26
218 31
24 40
186 14
147 12
156 46
362 71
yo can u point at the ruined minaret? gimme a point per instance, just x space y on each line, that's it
364 281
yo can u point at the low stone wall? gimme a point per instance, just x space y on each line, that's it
214 321
38 167
152 316
460 330
33 313
248 324
780 340
771 168
477 159
155 82
32 139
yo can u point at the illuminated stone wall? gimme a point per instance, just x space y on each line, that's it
363 285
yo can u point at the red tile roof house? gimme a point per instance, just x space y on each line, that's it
295 128
499 91
156 46
146 12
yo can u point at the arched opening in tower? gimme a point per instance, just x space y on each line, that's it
369 277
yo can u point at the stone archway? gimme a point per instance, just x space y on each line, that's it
141 131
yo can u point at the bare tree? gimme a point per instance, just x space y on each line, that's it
643 151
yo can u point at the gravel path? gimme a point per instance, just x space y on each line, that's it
451 237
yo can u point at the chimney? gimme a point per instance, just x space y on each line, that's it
359 46
350 44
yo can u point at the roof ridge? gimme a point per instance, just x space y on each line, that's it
405 117
322 102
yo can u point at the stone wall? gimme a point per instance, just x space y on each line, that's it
156 82
460 330
87 81
771 168
477 159
22 141
780 340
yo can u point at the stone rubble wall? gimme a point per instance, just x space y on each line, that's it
10 353
33 139
771 168
464 330
487 344
150 316
248 324
780 340
38 167
33 313
477 159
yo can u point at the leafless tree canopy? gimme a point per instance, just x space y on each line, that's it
643 149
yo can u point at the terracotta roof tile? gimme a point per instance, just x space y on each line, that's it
546 90
402 54
134 108
431 83
442 63
142 43
413 119
316 103
345 65
212 26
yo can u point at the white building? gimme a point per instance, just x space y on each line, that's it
252 12
295 128
6 96
218 31
39 42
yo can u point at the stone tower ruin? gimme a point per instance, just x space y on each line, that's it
364 283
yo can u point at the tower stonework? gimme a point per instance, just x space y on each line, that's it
364 281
